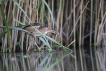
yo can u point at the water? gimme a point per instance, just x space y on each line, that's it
56 61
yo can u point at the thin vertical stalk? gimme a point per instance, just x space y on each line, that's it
80 41
74 22
80 32
42 13
91 23
91 34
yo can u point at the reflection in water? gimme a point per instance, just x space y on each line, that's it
56 61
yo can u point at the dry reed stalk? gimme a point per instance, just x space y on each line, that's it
91 20
81 23
59 21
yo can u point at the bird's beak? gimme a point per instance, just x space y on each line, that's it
53 32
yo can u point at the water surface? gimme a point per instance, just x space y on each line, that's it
55 61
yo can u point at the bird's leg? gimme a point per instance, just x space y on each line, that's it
30 43
36 44
42 45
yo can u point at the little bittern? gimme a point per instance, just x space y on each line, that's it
40 28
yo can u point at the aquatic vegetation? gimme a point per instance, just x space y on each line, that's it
75 22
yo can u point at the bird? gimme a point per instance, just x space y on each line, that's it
41 29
